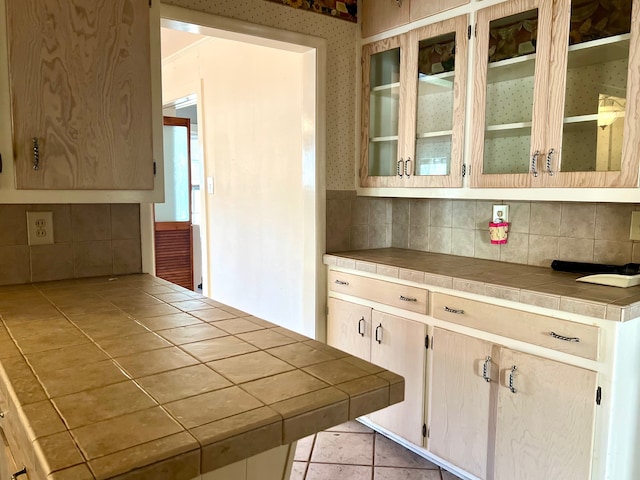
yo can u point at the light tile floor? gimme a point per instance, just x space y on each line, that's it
353 451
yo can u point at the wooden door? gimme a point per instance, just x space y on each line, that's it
433 137
398 345
593 129
462 400
173 229
349 328
544 428
80 91
511 85
380 15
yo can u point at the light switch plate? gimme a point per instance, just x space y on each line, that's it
500 213
634 233
40 228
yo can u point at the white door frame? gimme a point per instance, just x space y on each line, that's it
207 24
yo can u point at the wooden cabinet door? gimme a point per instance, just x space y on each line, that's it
544 428
7 463
511 85
380 15
398 345
80 87
593 134
461 400
425 8
349 328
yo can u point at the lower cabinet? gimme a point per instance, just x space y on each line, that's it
7 463
502 414
392 342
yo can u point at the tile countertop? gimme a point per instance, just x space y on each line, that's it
526 284
102 376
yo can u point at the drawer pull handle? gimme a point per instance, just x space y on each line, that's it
511 382
408 299
1 414
453 310
361 324
563 338
379 337
341 282
17 474
485 369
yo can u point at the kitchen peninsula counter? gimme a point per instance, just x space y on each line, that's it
134 377
525 284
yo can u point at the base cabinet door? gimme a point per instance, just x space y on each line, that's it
7 463
545 419
460 403
349 328
398 345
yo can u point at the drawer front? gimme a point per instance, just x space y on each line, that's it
561 335
394 294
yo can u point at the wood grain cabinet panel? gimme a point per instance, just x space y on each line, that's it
425 8
380 15
80 86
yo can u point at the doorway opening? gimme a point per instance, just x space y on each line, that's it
258 190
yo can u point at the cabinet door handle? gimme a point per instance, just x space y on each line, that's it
512 386
36 153
19 473
341 282
399 3
408 299
453 310
534 163
400 167
548 162
379 337
485 369
565 339
361 324
407 167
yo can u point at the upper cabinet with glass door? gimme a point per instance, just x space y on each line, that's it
594 113
413 128
556 102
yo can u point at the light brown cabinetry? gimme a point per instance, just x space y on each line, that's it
380 15
391 342
8 466
80 87
425 8
414 89
549 76
519 416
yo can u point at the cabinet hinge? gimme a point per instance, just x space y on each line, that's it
426 342
326 310
598 395
475 31
469 32
155 169
0 163
150 3
464 170
424 430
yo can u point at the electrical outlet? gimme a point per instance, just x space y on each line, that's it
634 233
500 213
40 228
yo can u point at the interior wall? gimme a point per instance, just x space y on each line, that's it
252 127
342 91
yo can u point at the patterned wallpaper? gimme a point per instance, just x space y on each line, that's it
341 65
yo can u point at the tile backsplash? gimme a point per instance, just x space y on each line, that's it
89 240
539 231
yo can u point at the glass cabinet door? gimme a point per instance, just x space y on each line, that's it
381 113
511 63
588 133
435 140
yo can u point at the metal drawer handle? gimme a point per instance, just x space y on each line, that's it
511 382
408 299
17 474
548 162
566 339
400 167
534 163
453 310
407 167
1 414
341 282
379 329
485 369
361 323
36 153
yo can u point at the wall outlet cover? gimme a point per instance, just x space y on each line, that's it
40 228
500 213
